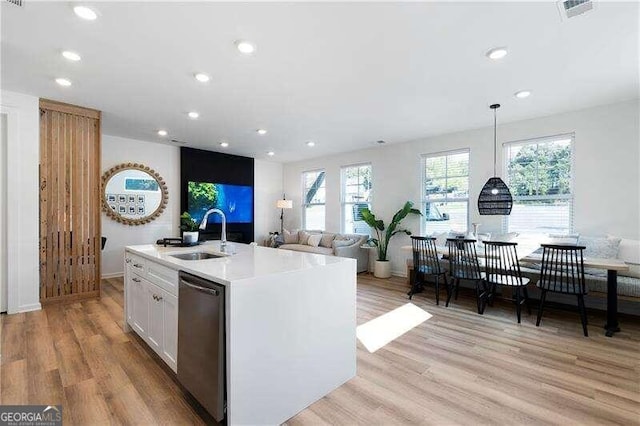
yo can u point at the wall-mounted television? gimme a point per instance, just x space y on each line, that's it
236 201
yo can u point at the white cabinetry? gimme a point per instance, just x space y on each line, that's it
152 305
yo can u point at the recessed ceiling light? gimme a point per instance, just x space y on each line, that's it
63 82
72 56
261 131
497 53
193 115
85 13
245 47
271 153
522 94
202 77
311 144
224 144
162 133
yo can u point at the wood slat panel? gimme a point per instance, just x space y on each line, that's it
69 202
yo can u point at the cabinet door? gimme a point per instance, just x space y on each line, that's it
139 305
128 290
155 331
170 337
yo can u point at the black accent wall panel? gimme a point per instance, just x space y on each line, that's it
199 165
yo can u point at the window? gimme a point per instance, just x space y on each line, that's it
445 192
539 175
313 199
356 195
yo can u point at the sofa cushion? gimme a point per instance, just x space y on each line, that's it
290 237
314 240
604 248
308 249
327 239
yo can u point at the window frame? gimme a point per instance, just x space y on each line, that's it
423 179
304 205
343 203
538 140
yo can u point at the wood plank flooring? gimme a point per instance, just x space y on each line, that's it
455 368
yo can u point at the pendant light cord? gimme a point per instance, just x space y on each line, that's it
495 139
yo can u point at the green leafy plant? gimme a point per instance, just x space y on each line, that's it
384 234
187 223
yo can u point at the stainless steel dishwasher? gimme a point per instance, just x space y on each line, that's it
201 342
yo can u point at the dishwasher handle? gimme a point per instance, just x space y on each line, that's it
211 291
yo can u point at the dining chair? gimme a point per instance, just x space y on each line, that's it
503 269
464 265
426 263
562 271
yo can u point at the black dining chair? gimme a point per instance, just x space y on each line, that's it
562 271
426 264
464 265
502 268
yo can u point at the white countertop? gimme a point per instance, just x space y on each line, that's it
247 262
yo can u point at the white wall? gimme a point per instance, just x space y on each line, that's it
267 189
606 172
165 160
22 200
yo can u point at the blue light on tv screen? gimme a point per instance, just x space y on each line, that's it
236 201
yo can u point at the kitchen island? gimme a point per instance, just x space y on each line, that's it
290 321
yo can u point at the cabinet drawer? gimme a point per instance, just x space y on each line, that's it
163 277
136 263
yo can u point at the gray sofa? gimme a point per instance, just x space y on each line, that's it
331 244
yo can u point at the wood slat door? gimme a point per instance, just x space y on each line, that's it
69 202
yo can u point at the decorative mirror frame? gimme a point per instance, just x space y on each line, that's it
133 166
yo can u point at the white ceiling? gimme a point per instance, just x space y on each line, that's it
341 74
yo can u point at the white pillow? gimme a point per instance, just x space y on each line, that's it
314 240
563 239
303 237
505 238
604 248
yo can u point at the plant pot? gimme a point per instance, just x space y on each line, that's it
382 269
190 237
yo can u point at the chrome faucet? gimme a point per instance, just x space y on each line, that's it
223 236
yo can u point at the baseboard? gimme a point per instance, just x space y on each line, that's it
27 308
112 275
402 274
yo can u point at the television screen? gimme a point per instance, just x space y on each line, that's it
236 201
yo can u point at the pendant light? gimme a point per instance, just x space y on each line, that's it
495 197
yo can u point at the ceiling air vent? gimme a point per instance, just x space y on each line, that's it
178 142
572 8
16 2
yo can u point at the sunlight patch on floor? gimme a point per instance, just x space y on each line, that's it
376 333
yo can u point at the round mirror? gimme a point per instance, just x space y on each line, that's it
133 194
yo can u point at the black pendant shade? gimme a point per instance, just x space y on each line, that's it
495 197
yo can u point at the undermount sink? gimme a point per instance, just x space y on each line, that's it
198 255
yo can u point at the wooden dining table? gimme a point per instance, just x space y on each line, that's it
528 253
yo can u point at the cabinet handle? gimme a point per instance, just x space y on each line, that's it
136 279
128 260
137 265
154 297
159 298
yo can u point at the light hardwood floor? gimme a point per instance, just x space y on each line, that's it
455 368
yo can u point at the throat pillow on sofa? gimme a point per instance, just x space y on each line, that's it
290 237
314 240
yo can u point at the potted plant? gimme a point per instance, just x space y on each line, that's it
189 227
382 268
